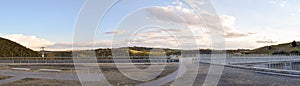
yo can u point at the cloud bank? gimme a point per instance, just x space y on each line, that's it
32 42
157 38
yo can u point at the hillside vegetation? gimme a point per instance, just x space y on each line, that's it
12 49
286 48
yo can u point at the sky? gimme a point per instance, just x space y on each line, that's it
247 24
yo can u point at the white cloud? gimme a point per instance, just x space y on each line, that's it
227 21
241 44
206 20
35 43
116 32
281 3
293 14
32 42
2 34
200 25
60 46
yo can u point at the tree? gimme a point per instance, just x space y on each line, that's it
294 43
280 53
295 52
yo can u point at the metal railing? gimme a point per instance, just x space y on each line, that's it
252 58
92 61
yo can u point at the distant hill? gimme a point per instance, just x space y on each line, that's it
139 51
285 48
9 48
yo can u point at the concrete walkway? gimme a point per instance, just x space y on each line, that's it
19 75
13 79
168 78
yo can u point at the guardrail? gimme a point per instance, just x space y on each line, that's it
92 61
230 59
237 60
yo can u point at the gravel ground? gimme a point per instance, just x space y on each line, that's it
230 77
43 82
116 78
4 77
111 73
240 77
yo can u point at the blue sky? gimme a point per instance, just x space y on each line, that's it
257 13
278 20
49 19
52 21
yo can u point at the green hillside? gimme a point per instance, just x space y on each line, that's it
12 49
285 48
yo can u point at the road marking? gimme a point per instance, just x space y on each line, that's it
51 70
20 68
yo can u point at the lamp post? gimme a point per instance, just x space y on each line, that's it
43 51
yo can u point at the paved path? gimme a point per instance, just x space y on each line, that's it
18 75
230 77
13 79
166 79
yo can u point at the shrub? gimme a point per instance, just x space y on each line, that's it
280 53
294 44
295 52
